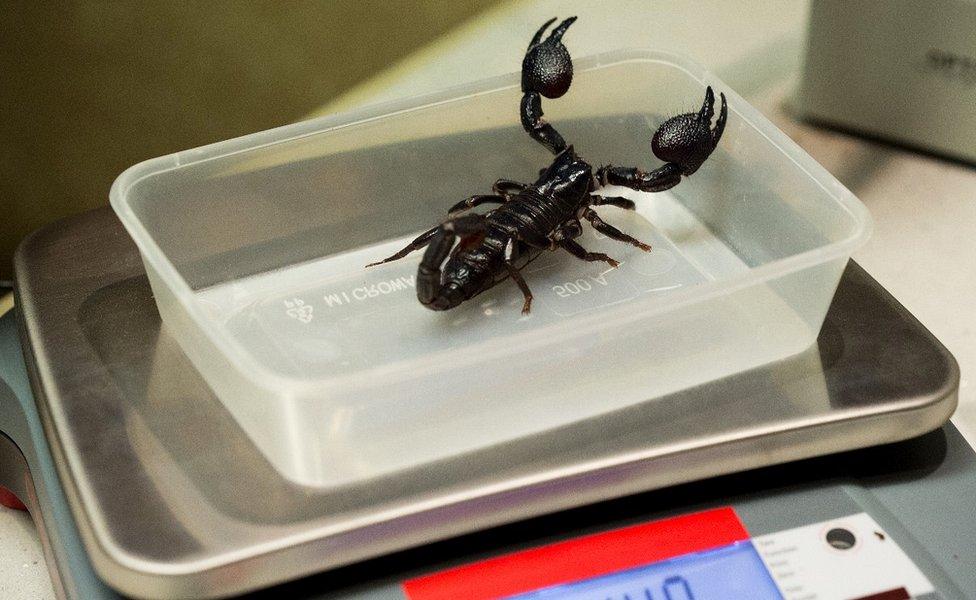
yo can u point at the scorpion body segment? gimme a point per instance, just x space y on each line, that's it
471 252
497 244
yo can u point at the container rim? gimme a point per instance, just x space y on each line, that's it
263 376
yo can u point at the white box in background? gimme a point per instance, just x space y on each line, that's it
901 70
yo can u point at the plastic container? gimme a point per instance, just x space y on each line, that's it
255 249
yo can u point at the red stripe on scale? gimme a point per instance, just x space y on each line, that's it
581 558
899 594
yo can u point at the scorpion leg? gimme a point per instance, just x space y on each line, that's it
683 142
612 232
658 180
507 187
516 276
547 70
422 240
569 230
579 252
617 201
430 291
474 201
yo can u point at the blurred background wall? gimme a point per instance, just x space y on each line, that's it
90 88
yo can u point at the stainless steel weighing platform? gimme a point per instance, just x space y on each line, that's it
143 485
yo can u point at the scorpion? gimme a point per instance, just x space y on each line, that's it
481 250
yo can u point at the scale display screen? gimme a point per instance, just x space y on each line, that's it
702 556
734 571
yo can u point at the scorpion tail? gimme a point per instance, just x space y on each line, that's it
431 291
547 70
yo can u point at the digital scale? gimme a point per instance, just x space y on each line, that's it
840 478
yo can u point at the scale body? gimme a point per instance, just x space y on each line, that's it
142 485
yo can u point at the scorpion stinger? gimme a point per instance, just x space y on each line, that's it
431 290
684 142
547 70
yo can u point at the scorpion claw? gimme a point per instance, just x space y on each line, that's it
720 121
708 106
557 34
547 67
687 140
538 34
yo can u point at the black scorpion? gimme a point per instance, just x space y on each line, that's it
546 215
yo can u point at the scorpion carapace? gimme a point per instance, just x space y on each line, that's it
469 253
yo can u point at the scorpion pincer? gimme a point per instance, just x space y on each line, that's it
469 253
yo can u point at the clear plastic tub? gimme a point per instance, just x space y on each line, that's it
255 249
